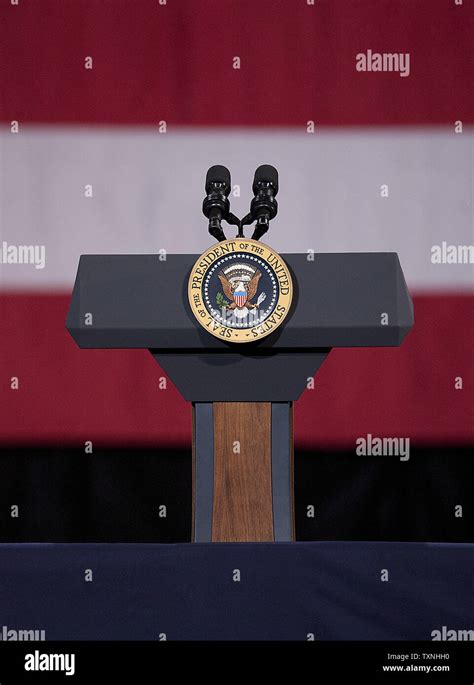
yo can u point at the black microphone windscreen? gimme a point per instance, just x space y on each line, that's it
218 174
265 173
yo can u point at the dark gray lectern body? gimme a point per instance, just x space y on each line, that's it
241 393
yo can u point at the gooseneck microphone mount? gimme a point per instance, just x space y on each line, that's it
263 207
216 206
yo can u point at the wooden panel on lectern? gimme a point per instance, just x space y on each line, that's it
242 480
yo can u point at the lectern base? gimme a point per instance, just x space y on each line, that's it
243 472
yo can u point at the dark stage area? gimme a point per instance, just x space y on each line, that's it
117 495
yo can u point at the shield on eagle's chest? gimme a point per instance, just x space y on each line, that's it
240 297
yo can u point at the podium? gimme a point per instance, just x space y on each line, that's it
242 394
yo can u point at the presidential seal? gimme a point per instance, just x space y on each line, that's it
240 290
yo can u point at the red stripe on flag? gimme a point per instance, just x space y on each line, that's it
67 395
175 62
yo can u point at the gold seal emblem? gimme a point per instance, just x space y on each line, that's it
240 290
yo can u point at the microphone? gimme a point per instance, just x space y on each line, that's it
216 206
264 206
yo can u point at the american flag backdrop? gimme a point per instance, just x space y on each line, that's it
112 111
122 106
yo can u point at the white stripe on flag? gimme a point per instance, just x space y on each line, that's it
147 191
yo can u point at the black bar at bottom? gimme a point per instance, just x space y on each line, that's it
367 662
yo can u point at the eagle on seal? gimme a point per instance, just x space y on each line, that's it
239 291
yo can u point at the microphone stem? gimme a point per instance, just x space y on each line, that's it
262 226
215 228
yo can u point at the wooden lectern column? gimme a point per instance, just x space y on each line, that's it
243 472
